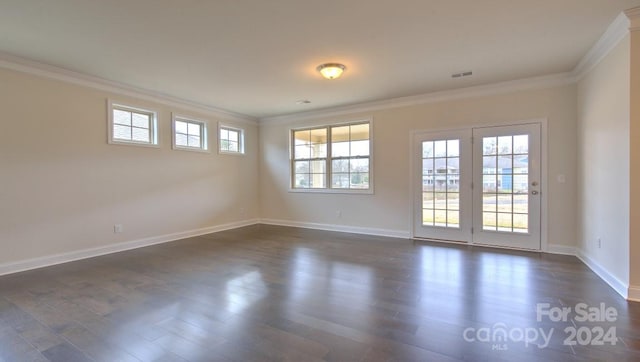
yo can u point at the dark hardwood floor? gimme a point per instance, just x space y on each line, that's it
264 293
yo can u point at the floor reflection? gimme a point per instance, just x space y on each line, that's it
442 272
503 288
304 272
244 290
334 285
352 282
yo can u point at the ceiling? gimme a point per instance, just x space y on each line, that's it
257 57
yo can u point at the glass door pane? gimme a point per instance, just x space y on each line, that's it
506 203
442 179
441 183
505 186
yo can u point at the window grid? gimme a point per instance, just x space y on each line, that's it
505 184
441 183
129 125
189 134
231 140
330 157
350 164
310 158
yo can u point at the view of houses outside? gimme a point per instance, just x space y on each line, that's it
505 183
441 183
349 158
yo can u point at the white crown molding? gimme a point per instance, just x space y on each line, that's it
41 262
12 62
542 82
634 17
618 29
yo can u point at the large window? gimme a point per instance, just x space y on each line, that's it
130 125
336 157
189 134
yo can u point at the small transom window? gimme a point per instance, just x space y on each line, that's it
231 140
189 134
132 125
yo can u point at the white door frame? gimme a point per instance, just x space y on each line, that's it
544 179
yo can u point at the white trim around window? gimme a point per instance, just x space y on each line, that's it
230 140
130 125
189 134
337 161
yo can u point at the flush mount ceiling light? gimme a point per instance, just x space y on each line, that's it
331 70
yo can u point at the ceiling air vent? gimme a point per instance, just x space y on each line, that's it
461 74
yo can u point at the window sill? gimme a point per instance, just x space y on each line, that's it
368 191
231 153
190 149
132 143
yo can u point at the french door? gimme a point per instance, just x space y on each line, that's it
479 185
443 179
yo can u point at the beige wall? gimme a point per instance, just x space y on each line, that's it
390 207
634 237
603 172
62 187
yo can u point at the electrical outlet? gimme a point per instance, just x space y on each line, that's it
118 228
339 214
242 211
599 243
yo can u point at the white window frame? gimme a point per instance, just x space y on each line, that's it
153 124
241 148
204 139
328 189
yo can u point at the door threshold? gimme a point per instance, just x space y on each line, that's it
445 241
464 243
508 247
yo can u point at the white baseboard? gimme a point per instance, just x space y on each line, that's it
627 292
634 293
341 228
615 283
28 264
561 249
